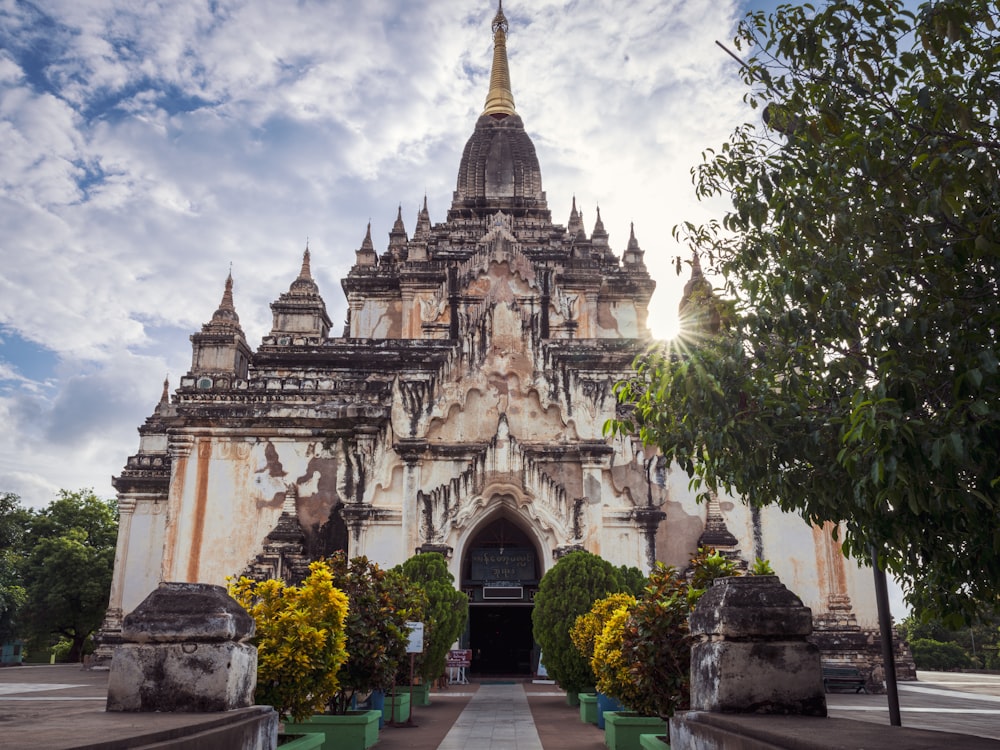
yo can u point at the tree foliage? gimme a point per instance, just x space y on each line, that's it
857 378
380 603
978 642
13 522
69 555
446 613
567 590
300 640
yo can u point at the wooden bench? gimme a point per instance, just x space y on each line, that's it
843 677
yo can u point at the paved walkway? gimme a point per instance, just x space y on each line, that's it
63 707
497 718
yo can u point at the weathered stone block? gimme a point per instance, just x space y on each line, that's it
179 612
747 606
770 677
183 650
195 677
751 653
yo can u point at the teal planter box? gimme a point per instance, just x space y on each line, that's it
396 708
313 741
420 695
652 742
355 730
623 730
588 707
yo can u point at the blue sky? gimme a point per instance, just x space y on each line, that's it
146 146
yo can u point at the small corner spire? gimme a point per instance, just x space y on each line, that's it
165 396
366 243
500 99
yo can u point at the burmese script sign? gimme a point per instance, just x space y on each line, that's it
503 564
460 657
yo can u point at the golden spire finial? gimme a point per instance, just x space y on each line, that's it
500 100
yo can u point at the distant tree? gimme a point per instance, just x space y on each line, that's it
567 590
856 378
979 640
13 522
68 563
939 655
446 614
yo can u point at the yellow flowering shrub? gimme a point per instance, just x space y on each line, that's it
588 626
300 639
612 663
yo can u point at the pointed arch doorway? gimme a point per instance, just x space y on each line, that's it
500 573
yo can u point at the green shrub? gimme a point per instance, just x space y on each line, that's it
446 613
938 655
566 591
381 602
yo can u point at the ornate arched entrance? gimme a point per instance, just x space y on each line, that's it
501 568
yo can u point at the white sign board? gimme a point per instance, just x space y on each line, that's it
416 644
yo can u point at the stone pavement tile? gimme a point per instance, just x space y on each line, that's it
558 724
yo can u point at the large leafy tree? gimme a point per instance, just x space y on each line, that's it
856 377
446 613
67 567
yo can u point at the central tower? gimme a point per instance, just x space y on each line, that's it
499 169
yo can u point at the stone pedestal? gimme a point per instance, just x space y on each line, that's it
751 654
183 649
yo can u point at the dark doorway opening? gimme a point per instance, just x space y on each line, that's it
500 639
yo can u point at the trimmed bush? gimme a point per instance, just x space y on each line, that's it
566 591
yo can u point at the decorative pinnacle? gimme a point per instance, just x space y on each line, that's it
366 243
306 272
500 100
227 295
500 20
165 396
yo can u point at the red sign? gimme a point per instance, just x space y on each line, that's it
460 657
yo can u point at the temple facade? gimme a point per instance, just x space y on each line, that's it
461 409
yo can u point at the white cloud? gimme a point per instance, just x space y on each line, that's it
145 146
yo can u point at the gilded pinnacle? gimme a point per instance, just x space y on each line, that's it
500 100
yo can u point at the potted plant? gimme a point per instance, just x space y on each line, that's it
565 592
300 639
444 618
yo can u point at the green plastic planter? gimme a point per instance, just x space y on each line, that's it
355 730
653 742
623 729
396 708
311 741
588 707
420 695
